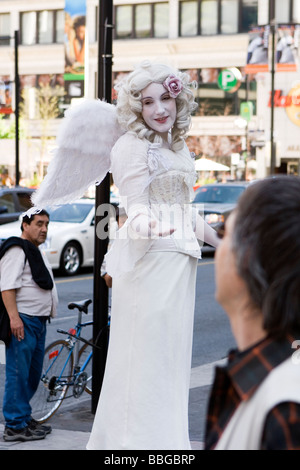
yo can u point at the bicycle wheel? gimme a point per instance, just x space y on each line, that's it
85 359
54 383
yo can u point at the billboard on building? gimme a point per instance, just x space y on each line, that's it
5 95
258 47
287 48
75 29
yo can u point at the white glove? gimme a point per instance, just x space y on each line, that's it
144 226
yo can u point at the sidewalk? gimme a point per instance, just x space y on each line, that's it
60 440
72 423
70 431
71 426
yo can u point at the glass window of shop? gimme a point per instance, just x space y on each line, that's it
189 18
209 17
161 20
212 101
142 21
45 27
229 16
5 28
32 95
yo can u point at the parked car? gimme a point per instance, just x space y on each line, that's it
70 241
215 201
14 201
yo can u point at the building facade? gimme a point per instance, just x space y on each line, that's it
204 37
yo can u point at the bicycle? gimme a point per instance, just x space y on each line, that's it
65 365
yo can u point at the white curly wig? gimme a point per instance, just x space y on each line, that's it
129 104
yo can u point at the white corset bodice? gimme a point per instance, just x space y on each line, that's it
152 179
171 187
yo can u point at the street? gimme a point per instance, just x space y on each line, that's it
212 336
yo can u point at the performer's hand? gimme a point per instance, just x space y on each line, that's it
145 227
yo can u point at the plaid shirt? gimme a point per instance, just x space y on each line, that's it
238 381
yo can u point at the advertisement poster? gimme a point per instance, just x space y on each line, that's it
5 96
287 48
257 53
75 28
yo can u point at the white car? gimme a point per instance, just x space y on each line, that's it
70 241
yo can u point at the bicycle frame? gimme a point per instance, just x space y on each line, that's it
74 336
66 364
57 354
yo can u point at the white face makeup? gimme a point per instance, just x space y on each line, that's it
159 109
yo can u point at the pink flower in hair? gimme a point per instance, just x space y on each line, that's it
174 85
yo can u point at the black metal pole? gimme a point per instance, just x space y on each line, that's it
17 101
272 143
100 307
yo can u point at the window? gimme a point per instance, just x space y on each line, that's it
28 28
287 11
161 20
189 19
42 27
72 213
282 13
24 201
5 28
219 194
212 101
60 26
7 203
296 11
229 16
145 20
208 17
142 21
249 15
124 22
45 28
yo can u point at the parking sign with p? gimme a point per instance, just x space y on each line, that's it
229 80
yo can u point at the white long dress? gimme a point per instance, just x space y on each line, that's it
144 398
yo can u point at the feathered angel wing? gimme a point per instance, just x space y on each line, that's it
85 139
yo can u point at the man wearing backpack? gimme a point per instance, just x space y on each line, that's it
30 298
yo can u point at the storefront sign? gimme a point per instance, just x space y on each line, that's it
291 103
229 80
246 110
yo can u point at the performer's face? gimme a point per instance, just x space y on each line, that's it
159 109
